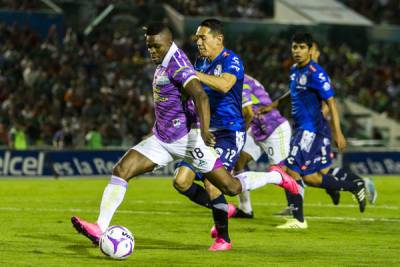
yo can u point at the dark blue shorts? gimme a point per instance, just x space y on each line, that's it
310 152
228 146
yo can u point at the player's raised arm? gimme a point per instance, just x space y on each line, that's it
200 98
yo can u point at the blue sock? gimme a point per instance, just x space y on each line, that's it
197 194
220 215
297 202
331 183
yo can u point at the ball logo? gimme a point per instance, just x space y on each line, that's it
326 86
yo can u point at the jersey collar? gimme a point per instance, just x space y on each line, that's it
171 51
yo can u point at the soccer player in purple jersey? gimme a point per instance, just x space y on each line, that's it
269 132
174 83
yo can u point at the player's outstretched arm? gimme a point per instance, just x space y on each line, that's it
220 84
248 115
200 98
335 124
274 104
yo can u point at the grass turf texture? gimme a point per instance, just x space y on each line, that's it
35 228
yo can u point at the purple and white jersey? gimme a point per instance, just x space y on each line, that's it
174 111
255 94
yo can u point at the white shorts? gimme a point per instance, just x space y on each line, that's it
190 148
276 146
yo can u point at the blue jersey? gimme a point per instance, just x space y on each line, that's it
309 85
226 109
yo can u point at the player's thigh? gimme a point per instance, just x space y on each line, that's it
132 164
184 178
277 145
142 158
213 191
314 179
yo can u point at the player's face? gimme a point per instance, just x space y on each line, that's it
301 53
158 46
208 43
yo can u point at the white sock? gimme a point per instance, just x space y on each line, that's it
245 202
254 180
112 197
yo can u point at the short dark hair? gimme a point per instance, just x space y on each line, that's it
215 26
155 28
303 37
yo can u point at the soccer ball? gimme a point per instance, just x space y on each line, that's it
117 242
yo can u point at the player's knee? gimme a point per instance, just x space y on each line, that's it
312 180
121 172
181 184
229 189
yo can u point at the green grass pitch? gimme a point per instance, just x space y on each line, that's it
35 228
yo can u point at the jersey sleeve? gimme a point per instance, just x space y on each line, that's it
183 75
233 65
322 84
246 95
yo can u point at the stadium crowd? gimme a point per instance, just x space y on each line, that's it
379 11
65 91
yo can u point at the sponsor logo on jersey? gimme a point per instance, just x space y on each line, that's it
218 70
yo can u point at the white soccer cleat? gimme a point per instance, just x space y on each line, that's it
293 224
372 194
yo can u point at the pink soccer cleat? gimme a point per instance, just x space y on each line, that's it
214 232
288 183
231 210
90 230
220 244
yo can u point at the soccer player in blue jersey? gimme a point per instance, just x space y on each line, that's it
221 73
310 151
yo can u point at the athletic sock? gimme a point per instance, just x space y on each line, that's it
220 214
297 202
331 183
112 197
197 194
245 202
344 174
254 180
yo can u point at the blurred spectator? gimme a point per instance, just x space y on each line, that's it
17 138
93 138
379 11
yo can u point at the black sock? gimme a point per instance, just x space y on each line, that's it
220 215
331 183
297 202
289 198
197 194
344 174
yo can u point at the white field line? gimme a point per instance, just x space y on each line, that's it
73 210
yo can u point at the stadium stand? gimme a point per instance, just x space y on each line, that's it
104 79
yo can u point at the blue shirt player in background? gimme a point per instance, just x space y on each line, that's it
310 149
